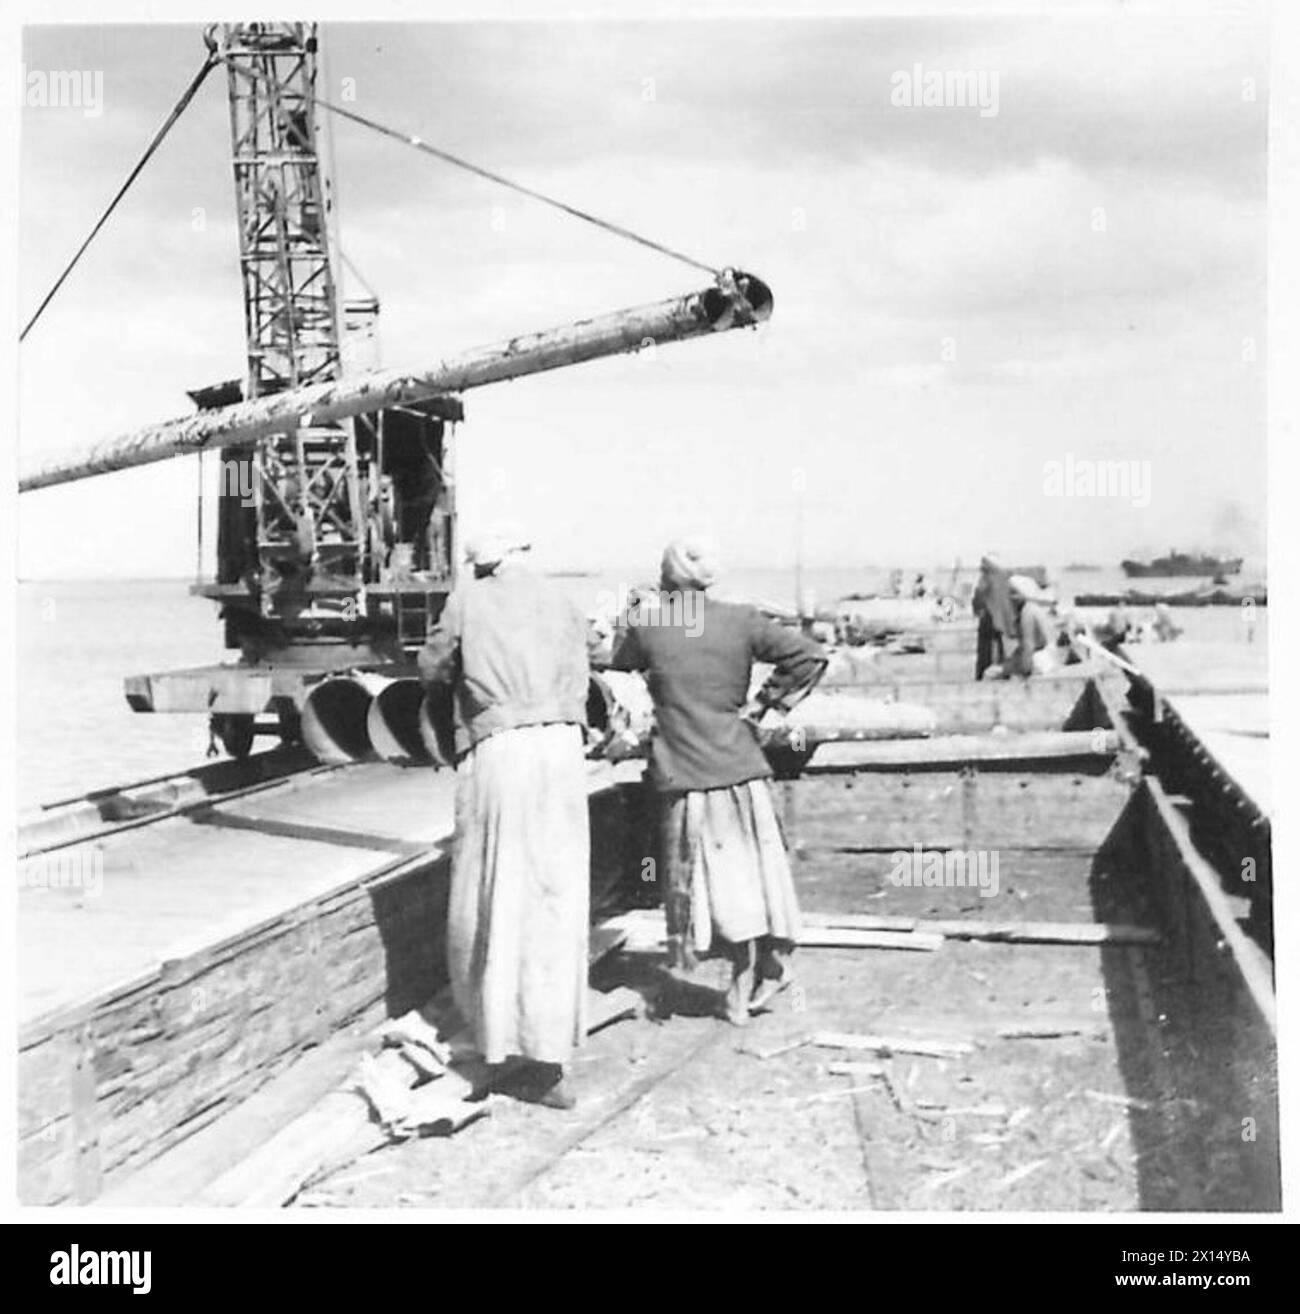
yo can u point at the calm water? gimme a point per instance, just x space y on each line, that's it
78 639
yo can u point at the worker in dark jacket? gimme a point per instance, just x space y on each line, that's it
726 873
992 605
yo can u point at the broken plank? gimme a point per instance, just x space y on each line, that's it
849 1069
1050 1030
931 1048
773 1052
602 1010
937 1112
341 1129
278 1168
1084 933
1124 1101
1019 1174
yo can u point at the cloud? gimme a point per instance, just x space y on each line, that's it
947 308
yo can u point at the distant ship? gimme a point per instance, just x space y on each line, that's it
1081 568
1183 563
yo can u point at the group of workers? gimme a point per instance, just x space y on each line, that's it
1016 634
515 651
1019 632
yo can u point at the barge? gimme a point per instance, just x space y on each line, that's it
1084 1020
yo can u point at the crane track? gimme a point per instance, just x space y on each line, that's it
99 814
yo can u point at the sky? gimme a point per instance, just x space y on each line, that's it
964 301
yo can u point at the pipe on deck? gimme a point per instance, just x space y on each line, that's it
334 719
738 300
437 726
393 722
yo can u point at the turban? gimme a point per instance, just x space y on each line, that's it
494 545
688 564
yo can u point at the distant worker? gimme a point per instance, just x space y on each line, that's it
1035 651
1166 628
1116 628
514 648
726 876
991 603
1072 629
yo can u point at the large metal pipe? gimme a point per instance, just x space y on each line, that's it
736 301
826 717
437 726
334 719
393 722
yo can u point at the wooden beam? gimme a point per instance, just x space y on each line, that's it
1015 932
644 930
836 937
843 752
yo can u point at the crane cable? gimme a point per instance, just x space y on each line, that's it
157 141
408 139
448 158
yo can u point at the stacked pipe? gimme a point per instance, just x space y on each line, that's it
364 716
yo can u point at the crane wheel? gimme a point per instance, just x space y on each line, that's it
290 728
236 734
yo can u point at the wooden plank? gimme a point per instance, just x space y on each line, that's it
856 1069
815 937
892 1044
1015 932
1046 1028
645 930
947 752
341 1127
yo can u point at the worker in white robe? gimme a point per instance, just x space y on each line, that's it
514 648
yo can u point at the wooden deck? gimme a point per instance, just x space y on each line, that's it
168 970
1083 1076
190 1019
